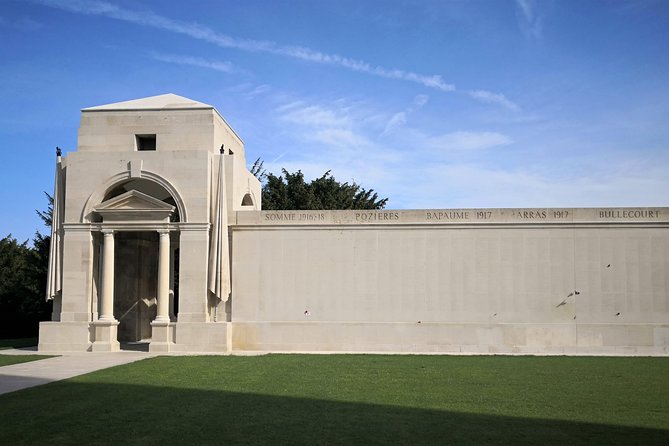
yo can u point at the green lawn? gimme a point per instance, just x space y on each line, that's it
16 359
350 399
17 343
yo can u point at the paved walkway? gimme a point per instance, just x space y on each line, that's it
34 373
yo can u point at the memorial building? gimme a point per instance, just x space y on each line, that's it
158 237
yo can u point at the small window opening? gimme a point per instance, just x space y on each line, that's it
230 152
247 200
146 142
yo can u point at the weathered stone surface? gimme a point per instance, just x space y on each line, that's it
512 281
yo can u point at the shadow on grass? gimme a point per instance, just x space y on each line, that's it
95 413
12 383
18 343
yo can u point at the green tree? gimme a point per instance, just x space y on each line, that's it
289 191
23 272
22 303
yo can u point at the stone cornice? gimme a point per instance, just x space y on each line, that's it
521 217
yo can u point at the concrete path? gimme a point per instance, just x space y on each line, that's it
34 373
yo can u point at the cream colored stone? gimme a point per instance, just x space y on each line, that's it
465 281
167 190
105 337
64 336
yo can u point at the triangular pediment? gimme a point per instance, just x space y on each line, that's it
134 206
161 102
134 201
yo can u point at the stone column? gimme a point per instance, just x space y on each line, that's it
106 326
107 295
161 328
163 314
174 243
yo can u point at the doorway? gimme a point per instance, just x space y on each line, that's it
135 284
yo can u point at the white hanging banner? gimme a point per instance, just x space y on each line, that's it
219 254
54 285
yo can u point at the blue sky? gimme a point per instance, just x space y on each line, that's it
434 104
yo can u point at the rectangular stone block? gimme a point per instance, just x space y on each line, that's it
201 337
64 337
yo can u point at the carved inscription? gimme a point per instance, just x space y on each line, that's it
531 215
458 216
447 215
280 217
377 216
294 216
638 213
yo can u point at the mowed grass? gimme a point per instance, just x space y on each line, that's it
18 343
348 400
17 359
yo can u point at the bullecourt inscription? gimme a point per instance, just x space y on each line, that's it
631 213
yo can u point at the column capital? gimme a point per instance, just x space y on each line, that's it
163 231
107 232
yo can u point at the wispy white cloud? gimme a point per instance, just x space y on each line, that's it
313 115
462 140
420 168
529 20
419 101
399 119
225 67
341 137
202 32
334 135
475 185
258 90
23 24
206 34
494 98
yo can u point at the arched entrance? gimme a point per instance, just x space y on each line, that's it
137 270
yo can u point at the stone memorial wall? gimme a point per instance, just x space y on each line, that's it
452 280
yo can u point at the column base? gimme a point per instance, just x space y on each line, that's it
162 337
105 336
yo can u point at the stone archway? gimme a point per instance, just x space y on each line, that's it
104 192
135 274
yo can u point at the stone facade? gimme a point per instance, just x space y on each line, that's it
162 240
139 202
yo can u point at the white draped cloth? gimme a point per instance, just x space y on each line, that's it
54 277
219 254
